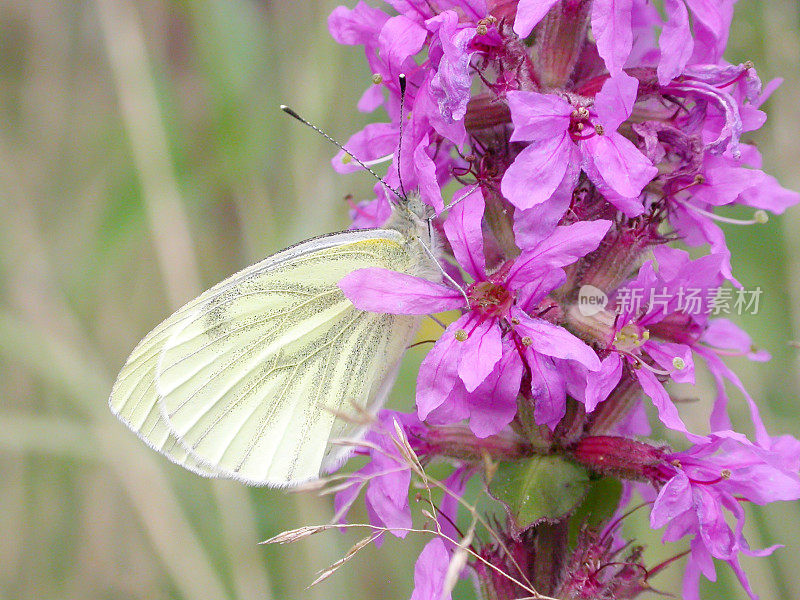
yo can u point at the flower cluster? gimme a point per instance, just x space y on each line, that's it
580 143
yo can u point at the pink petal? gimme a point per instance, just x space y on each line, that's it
674 499
533 292
529 13
614 102
371 99
449 506
600 383
426 109
427 182
537 116
537 171
464 231
769 195
619 163
548 389
667 412
714 531
388 499
676 42
726 181
719 416
438 373
400 38
479 352
374 141
665 352
345 498
554 341
715 15
357 26
563 247
611 26
493 404
379 290
430 571
630 206
697 230
742 576
725 334
702 558
451 82
690 590
531 226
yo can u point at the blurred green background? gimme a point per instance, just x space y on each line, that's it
142 159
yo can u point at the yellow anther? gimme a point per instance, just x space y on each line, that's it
678 363
377 78
461 335
526 341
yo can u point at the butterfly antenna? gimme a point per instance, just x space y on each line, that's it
402 81
363 165
474 189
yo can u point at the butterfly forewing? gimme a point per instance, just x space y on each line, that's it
255 379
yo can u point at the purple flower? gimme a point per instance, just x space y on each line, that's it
566 136
559 118
386 477
432 565
475 367
656 329
714 477
721 181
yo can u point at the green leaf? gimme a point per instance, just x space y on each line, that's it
537 489
597 507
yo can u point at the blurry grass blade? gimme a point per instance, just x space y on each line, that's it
162 517
46 435
59 364
238 525
127 53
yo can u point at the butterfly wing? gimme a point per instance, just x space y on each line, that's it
134 398
255 376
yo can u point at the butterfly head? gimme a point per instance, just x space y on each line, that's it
414 219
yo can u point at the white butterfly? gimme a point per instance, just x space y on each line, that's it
255 377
